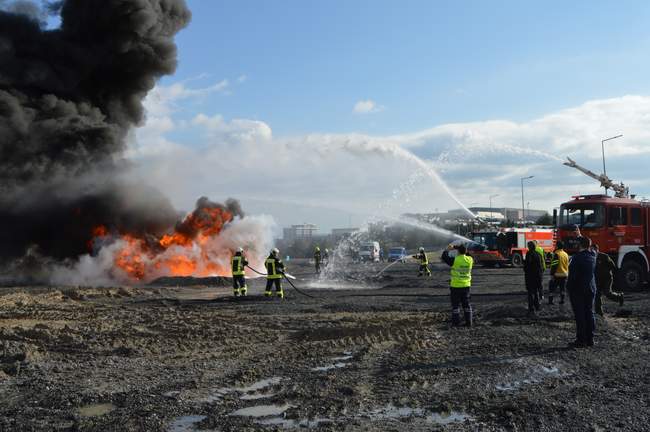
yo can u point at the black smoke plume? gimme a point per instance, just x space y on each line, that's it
68 97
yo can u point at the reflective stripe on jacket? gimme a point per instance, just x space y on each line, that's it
273 267
461 271
237 263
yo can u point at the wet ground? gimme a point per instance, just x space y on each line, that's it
364 354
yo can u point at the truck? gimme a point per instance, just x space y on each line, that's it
508 246
369 251
397 254
619 225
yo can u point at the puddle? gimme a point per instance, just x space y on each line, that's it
185 423
293 424
391 412
529 376
330 367
95 410
343 358
249 393
261 411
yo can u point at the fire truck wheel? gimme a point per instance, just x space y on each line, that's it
517 260
630 276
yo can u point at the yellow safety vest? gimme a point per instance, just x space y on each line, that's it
236 265
271 270
423 258
461 271
541 253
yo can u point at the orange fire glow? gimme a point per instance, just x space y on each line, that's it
183 252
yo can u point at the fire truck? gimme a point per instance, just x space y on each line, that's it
509 245
619 225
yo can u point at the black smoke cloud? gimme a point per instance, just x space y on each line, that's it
68 97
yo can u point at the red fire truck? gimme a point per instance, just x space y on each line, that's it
509 245
619 225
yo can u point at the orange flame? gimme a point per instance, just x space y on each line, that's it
180 253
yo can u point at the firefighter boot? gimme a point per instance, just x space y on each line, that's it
280 293
235 292
468 318
243 290
621 299
455 318
268 293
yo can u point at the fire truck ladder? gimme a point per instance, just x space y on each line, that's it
620 190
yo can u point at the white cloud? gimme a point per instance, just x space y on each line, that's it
358 173
367 106
242 78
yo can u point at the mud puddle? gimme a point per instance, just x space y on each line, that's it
185 423
95 410
251 392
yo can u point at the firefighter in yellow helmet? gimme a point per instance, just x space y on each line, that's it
237 264
274 272
424 262
461 281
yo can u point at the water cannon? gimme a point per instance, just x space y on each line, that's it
620 190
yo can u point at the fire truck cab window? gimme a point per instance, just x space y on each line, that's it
617 216
585 216
635 217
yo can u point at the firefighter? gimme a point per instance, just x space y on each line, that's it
326 257
541 253
559 273
237 264
461 281
533 271
605 272
317 258
274 272
424 262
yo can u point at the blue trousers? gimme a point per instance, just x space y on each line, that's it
582 302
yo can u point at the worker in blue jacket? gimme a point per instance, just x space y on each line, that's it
581 286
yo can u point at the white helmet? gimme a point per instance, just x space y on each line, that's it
275 251
421 249
240 249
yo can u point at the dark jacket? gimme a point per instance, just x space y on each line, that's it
449 260
582 272
533 268
605 269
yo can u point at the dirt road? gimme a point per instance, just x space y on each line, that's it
365 354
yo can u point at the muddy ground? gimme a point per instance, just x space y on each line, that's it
364 354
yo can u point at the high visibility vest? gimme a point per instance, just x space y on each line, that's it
271 269
236 265
461 271
423 258
561 263
541 253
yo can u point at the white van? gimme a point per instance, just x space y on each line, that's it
369 251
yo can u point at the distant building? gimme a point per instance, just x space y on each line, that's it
299 232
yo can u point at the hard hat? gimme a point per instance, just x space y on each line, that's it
240 249
317 248
275 251
421 249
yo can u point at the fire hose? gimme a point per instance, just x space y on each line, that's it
288 280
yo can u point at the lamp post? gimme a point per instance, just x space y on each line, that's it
492 196
602 145
523 209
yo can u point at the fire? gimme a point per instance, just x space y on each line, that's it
185 251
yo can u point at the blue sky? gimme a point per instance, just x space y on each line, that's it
307 63
298 107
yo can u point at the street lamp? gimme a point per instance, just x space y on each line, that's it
602 144
523 209
492 196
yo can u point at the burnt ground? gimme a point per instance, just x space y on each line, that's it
365 354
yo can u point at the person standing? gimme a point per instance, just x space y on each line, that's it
461 281
541 253
559 273
317 259
581 285
274 272
533 272
605 273
424 262
237 264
